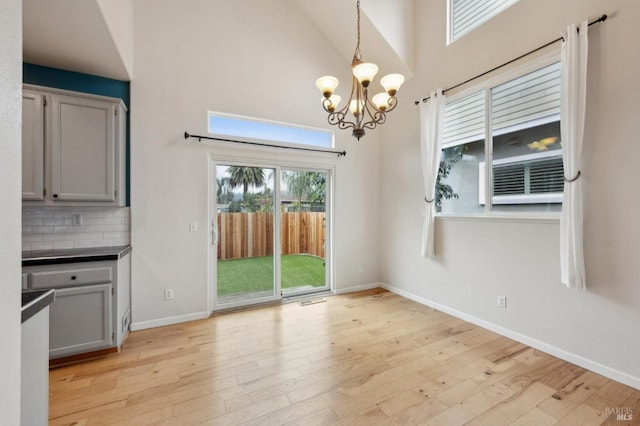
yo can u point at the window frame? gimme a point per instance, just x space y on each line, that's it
267 142
485 86
450 19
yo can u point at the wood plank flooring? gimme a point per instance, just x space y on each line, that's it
368 358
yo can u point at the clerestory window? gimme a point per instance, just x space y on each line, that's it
465 15
253 129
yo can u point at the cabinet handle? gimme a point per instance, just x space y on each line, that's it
55 195
73 277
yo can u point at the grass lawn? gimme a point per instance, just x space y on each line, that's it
256 273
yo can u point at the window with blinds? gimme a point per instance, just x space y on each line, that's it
465 15
513 126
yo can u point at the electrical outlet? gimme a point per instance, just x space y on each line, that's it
361 269
168 294
76 220
502 302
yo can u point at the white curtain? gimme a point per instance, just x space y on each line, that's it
431 122
572 113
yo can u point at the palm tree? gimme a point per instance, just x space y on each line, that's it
305 186
223 191
245 177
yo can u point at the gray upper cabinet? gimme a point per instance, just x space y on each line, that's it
84 145
32 145
83 149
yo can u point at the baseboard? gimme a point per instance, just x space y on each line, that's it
353 289
142 325
596 367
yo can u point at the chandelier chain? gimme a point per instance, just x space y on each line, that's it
357 56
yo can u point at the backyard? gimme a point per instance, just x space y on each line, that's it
255 274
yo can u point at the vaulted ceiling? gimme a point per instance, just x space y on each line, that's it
89 36
96 36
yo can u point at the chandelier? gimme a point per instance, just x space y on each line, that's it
365 113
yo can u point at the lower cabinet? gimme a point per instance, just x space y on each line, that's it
81 320
91 310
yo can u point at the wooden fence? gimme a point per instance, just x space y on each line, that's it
242 235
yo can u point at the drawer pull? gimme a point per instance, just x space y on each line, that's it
73 277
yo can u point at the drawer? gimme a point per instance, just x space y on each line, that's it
70 277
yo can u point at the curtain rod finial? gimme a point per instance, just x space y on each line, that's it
186 135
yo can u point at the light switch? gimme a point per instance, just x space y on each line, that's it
193 226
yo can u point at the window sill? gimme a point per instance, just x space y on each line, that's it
541 218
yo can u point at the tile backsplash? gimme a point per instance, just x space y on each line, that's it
46 228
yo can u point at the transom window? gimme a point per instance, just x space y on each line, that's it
522 128
229 126
465 15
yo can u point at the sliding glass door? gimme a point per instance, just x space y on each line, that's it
303 223
270 233
245 231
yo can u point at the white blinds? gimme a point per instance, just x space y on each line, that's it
532 97
464 120
469 14
527 98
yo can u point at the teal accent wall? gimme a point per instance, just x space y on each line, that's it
78 82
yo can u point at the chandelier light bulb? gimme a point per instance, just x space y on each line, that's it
334 100
356 107
327 84
365 73
381 101
392 83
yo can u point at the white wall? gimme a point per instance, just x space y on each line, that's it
10 164
251 58
479 258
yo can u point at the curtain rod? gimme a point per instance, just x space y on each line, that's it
327 151
600 19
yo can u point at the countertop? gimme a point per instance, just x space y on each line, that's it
89 254
34 301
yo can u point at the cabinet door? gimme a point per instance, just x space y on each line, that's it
83 149
80 320
32 146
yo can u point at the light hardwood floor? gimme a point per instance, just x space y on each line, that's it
369 358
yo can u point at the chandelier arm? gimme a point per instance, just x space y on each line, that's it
380 118
326 103
338 118
374 114
392 102
346 125
377 117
